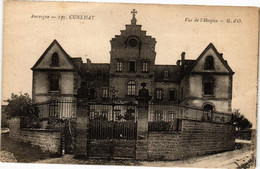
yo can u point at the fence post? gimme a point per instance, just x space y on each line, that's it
82 115
142 124
14 127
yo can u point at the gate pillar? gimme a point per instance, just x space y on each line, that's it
142 123
82 114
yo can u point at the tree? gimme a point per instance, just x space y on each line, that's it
240 121
19 105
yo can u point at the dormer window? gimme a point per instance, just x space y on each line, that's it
209 63
55 59
166 73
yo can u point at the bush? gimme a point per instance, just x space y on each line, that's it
240 121
19 105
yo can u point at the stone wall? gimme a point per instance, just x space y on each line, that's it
195 138
47 140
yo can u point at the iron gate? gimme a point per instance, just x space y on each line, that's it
112 131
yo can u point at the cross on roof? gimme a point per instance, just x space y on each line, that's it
133 12
133 21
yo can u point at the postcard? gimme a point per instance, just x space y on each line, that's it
129 84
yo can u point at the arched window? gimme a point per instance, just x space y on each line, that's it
209 63
55 59
208 85
131 88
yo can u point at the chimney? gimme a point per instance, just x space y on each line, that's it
182 57
178 62
88 61
221 54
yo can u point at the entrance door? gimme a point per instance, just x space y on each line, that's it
207 112
113 136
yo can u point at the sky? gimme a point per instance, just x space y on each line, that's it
26 38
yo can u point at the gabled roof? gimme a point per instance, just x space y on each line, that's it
63 51
224 62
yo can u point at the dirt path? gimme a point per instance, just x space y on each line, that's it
231 159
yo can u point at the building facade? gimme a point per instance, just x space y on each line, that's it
204 83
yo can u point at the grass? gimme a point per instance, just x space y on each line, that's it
23 152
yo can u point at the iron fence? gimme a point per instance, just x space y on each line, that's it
169 112
60 109
50 115
110 121
112 130
167 117
113 112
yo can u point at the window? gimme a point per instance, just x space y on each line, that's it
158 116
131 88
179 125
105 93
54 82
132 66
53 109
130 113
172 95
158 94
166 73
119 65
133 42
208 84
92 93
55 59
209 63
118 113
145 66
104 114
171 116
92 114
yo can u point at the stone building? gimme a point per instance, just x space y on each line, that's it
204 83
